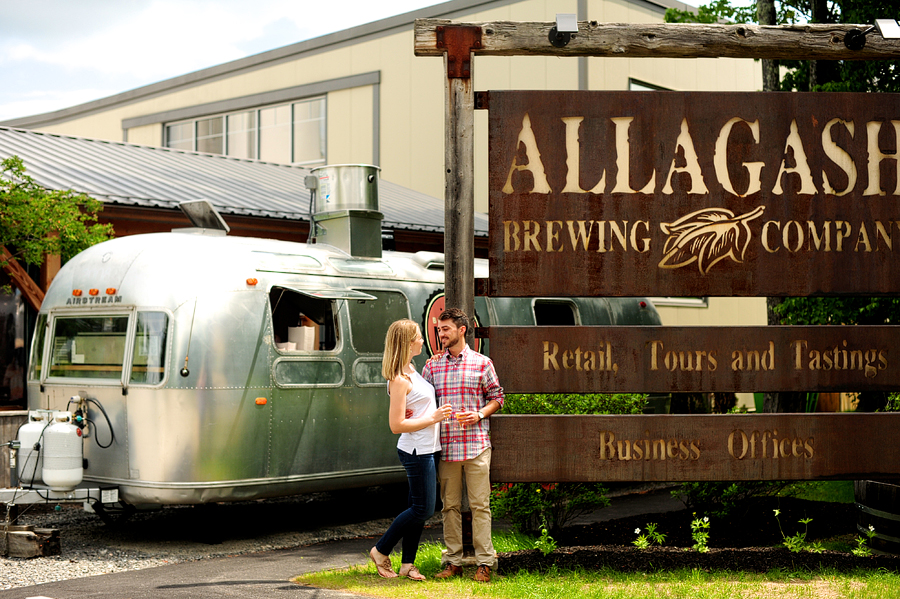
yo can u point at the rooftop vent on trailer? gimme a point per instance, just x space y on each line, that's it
204 216
345 212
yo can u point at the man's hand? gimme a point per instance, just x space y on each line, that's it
467 418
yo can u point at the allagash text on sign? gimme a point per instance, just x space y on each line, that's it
687 194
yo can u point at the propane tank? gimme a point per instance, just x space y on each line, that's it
63 462
30 460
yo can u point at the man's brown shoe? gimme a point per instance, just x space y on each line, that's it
483 574
448 572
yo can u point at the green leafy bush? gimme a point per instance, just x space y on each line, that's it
528 505
534 506
718 499
574 403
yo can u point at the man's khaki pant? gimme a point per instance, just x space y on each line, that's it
478 485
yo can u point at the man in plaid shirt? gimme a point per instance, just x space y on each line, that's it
467 381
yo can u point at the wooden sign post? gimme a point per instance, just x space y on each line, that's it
682 194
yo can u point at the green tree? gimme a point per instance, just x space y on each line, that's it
35 221
844 76
804 75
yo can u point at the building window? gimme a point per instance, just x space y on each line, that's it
275 134
242 135
309 132
210 136
180 136
292 133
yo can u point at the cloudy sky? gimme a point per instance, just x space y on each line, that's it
58 53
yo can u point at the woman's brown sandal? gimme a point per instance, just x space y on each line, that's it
412 573
385 570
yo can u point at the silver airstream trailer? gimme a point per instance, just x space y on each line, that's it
216 368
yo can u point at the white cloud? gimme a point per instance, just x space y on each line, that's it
54 51
37 102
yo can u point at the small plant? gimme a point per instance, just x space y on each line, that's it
648 538
546 544
862 550
798 542
526 505
699 533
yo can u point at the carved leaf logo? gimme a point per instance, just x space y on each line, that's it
706 237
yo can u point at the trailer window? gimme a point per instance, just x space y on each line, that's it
88 347
301 320
555 313
37 348
369 320
149 357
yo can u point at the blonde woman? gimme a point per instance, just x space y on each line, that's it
415 415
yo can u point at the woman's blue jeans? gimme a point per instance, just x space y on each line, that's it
421 473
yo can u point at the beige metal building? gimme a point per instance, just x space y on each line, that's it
362 96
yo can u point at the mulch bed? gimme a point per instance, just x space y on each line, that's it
748 540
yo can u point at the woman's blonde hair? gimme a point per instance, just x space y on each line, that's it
398 347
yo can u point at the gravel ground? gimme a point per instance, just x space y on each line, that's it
184 533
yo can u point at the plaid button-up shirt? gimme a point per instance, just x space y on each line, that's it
467 382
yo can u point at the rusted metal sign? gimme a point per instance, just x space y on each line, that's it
693 194
653 359
694 448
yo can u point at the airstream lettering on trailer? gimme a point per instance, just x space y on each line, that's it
214 368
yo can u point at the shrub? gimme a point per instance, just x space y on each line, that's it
529 505
572 403
718 499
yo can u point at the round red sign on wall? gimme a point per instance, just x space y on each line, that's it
433 310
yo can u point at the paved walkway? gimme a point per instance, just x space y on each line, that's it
268 574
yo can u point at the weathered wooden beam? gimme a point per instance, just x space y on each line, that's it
30 290
709 447
459 177
667 40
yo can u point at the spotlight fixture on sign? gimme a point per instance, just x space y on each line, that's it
888 28
566 25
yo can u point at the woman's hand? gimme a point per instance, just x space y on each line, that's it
442 413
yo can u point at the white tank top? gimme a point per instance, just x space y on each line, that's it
421 401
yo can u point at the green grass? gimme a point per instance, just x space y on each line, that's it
578 584
836 491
